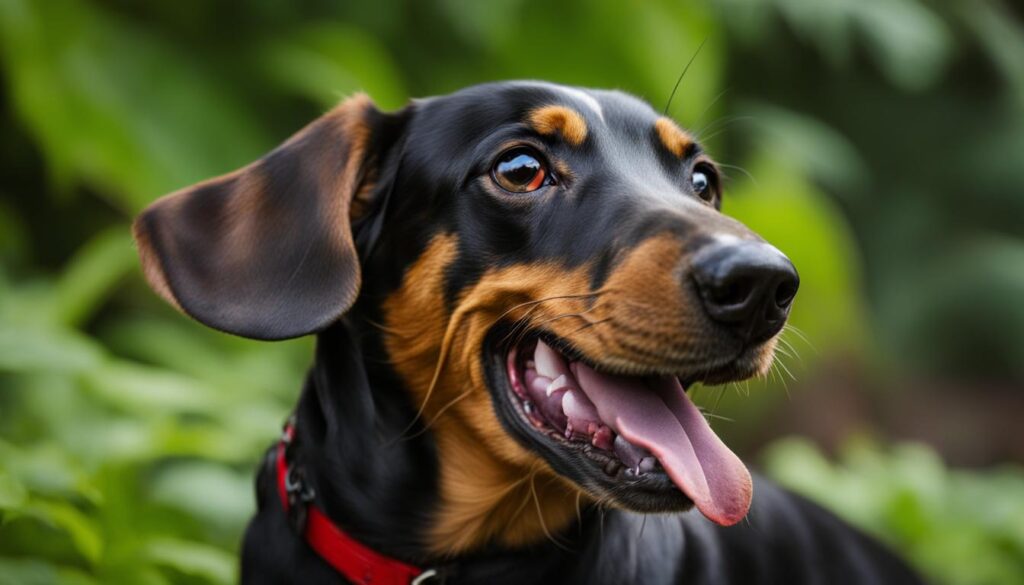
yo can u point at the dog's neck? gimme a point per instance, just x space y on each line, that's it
372 476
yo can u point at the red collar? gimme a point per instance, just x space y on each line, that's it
358 563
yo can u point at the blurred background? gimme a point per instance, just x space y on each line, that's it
879 143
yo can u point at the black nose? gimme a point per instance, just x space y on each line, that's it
748 286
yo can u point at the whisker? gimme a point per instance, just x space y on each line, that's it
526 495
789 346
441 411
384 328
782 365
579 513
712 136
708 107
740 169
540 514
683 74
589 325
719 124
781 379
718 416
522 323
522 505
783 351
580 315
518 330
721 392
598 292
803 337
446 344
454 322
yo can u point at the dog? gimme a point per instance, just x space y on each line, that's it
512 286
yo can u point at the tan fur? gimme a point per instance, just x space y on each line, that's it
492 489
548 120
348 123
151 269
640 321
363 198
675 139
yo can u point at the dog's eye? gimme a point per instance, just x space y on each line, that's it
700 183
700 180
520 170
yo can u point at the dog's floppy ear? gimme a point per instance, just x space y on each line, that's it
266 251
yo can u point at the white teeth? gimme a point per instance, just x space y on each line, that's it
549 363
549 373
646 464
575 405
628 453
536 388
558 384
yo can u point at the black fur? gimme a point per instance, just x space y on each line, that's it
431 166
379 489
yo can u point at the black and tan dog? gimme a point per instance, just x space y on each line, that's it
512 287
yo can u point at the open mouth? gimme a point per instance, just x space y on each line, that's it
638 432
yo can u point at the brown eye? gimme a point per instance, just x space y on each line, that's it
520 170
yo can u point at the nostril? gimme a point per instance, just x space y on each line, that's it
732 292
748 286
785 293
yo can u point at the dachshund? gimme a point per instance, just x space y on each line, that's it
512 287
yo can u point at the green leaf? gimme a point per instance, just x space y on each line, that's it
962 527
90 275
27 349
115 108
220 504
910 43
14 241
36 572
47 468
329 61
12 493
812 147
82 530
1000 35
193 559
143 389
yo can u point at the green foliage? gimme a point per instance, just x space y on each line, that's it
133 450
117 109
958 526
129 435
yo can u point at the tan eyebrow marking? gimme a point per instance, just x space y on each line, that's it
675 139
550 119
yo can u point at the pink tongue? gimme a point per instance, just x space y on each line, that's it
656 414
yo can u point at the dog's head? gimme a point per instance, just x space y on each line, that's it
547 268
